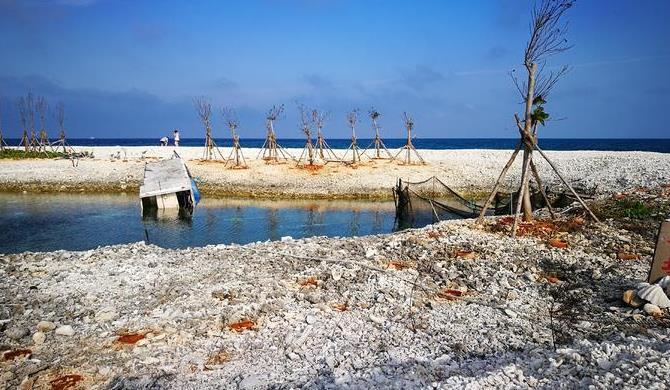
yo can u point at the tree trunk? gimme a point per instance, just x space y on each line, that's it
527 205
528 133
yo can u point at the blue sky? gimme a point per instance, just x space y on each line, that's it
132 68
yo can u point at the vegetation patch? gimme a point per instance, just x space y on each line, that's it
16 154
634 206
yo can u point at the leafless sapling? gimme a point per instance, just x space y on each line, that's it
203 108
325 152
409 148
2 140
236 157
22 104
547 37
307 157
377 141
41 107
271 150
352 121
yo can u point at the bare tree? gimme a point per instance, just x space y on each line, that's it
22 104
236 156
325 152
409 148
2 140
204 109
59 116
230 117
547 37
352 121
271 150
30 107
307 157
377 142
41 108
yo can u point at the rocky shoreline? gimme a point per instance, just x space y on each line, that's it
446 306
468 171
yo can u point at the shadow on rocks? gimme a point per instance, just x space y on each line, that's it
153 382
587 302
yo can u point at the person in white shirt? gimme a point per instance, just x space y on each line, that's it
164 141
176 138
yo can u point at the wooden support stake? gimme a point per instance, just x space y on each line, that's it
525 179
500 179
539 185
579 199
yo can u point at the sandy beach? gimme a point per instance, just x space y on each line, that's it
469 171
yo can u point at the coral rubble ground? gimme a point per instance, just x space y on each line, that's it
463 170
445 306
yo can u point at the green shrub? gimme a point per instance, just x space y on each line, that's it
633 209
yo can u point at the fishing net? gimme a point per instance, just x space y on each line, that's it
429 201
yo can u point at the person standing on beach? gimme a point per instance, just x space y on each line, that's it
176 137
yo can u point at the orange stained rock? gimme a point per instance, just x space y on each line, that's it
66 382
241 325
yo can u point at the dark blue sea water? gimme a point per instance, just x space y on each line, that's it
617 144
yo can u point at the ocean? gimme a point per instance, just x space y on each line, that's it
661 145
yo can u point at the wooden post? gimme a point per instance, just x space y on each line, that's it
501 177
539 185
525 179
528 123
574 193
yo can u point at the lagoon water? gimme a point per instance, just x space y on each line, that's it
48 222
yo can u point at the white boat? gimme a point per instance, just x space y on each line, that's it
168 184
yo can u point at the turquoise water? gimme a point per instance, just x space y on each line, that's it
48 222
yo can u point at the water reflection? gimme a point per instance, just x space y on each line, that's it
46 222
179 215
